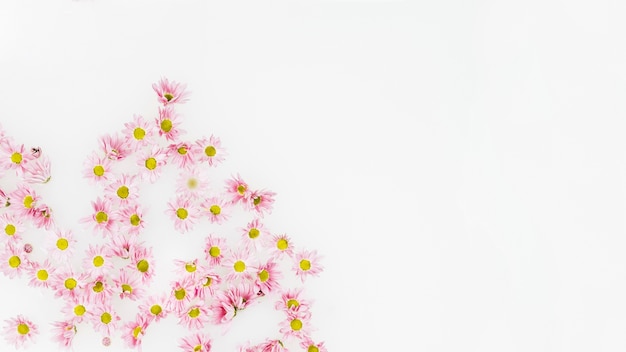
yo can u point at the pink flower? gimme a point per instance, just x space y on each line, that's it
77 309
307 263
5 201
206 284
98 261
192 183
98 290
187 268
19 331
38 170
130 219
123 190
42 216
97 168
181 294
194 317
128 285
40 273
267 276
281 246
228 303
184 213
197 342
239 262
214 248
105 319
296 326
168 122
151 163
261 201
11 227
170 92
14 157
139 132
26 200
254 234
292 303
216 209
154 308
14 261
134 331
67 284
310 346
115 147
237 189
63 333
101 218
61 246
142 262
213 154
122 246
267 346
182 154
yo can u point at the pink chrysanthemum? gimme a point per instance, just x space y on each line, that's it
184 213
237 190
42 217
101 218
38 170
194 317
98 261
296 326
77 309
61 246
307 263
311 346
39 274
67 284
267 276
281 246
168 123
214 249
139 132
142 262
19 331
151 164
231 301
170 92
130 219
99 290
14 261
129 285
254 234
239 264
292 303
155 307
115 147
216 209
63 333
267 346
105 319
14 157
187 268
97 168
181 294
10 227
206 284
197 342
5 200
122 190
182 154
261 201
134 331
122 246
212 151
25 200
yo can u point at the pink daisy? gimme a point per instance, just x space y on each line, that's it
237 189
181 154
134 331
19 331
77 310
63 333
139 132
267 276
168 123
307 263
228 303
181 294
123 190
38 170
151 162
214 249
261 201
197 342
61 246
97 168
68 284
14 157
192 183
26 200
14 261
187 268
206 284
170 92
184 213
11 227
131 219
39 274
292 303
310 346
128 285
239 263
42 216
212 152
254 234
267 346
281 246
142 262
123 246
194 317
101 218
98 261
216 209
99 290
154 308
295 326
105 319
115 147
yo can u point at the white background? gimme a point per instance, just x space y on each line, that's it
460 164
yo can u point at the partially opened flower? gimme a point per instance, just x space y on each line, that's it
135 330
139 132
197 342
38 170
20 331
237 190
63 332
25 200
115 146
170 92
129 285
261 201
182 154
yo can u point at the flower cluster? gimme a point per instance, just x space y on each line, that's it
239 265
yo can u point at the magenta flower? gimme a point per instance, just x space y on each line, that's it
19 331
170 92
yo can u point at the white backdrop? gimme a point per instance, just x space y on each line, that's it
460 165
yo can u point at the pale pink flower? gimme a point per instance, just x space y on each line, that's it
192 183
61 246
98 290
311 346
254 235
187 268
292 303
67 284
115 147
77 309
11 226
216 209
184 213
267 277
231 301
261 201
237 190
35 152
134 331
239 265
298 326
267 346
142 262
182 154
212 151
214 249
122 190
5 201
194 317
39 274
154 307
307 263
25 200
20 331
281 246
139 132
14 157
206 283
168 123
181 294
129 285
151 163
38 170
123 246
105 319
101 218
63 333
170 92
42 216
13 261
197 342
97 168
98 261
131 219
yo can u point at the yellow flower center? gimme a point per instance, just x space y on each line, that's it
197 348
70 284
101 217
192 183
123 192
208 282
182 213
136 331
166 125
28 202
182 150
79 310
254 233
156 309
10 229
264 275
215 252
210 151
292 303
168 96
194 312
215 209
105 318
23 329
14 261
16 158
282 244
98 170
296 324
241 189
313 349
305 264
180 294
42 275
257 200
190 267
143 265
239 266
139 133
127 288
98 287
151 164
62 244
135 220
98 261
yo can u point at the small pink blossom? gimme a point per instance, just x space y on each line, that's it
267 277
139 132
168 123
194 317
102 217
131 219
97 168
38 170
307 263
20 332
11 227
122 190
197 342
134 331
129 285
182 154
154 307
63 333
115 147
216 209
184 213
170 92
237 190
151 164
105 319
14 261
211 151
14 157
261 201
214 249
39 274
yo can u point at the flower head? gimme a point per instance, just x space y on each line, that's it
212 151
20 331
170 92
